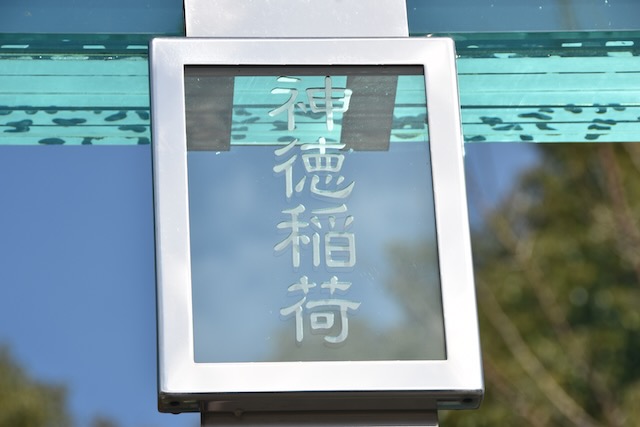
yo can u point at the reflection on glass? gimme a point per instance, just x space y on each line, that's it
311 215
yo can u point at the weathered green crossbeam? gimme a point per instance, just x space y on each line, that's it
576 92
73 99
551 99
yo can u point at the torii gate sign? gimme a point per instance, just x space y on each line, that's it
313 247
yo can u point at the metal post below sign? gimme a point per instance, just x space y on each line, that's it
370 419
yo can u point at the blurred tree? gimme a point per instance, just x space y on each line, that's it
25 402
557 268
103 421
558 282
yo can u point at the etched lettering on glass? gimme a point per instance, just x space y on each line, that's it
329 100
340 246
329 161
290 105
319 234
321 312
287 167
296 308
295 239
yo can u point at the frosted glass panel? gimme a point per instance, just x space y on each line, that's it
311 215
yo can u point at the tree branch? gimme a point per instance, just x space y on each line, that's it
556 395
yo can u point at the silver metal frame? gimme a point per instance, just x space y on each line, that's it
383 385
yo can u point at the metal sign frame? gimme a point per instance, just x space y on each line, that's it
314 386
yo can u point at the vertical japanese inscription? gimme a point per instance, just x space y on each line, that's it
319 235
279 179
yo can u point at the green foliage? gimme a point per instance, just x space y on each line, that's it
25 402
102 421
558 279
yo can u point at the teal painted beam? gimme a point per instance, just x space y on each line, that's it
73 99
531 88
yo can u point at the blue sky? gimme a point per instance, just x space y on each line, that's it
77 273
